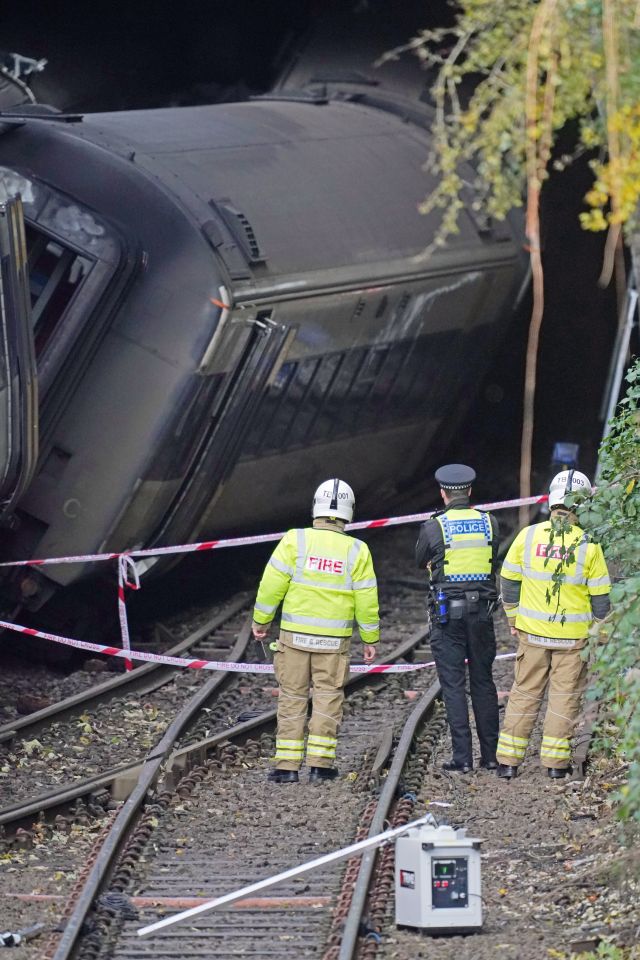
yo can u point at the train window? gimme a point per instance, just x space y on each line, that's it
386 381
293 399
55 273
317 391
268 414
333 419
357 405
320 399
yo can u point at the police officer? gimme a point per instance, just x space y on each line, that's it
551 625
459 547
326 579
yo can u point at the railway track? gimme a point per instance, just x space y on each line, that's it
211 639
232 699
221 825
215 728
205 822
82 743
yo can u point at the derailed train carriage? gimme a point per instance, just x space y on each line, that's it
226 303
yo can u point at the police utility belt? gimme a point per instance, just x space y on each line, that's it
456 609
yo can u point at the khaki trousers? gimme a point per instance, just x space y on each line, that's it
564 672
296 672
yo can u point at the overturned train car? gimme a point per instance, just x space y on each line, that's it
228 303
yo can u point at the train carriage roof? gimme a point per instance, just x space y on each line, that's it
318 185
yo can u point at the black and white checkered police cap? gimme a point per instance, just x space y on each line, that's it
455 476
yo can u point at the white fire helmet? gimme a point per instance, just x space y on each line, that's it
569 481
334 498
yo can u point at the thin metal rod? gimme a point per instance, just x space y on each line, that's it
619 357
618 361
334 857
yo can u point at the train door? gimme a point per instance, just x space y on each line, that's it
258 346
18 378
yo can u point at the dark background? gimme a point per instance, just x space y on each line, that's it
112 56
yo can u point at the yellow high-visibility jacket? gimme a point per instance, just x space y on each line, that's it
533 561
326 579
467 536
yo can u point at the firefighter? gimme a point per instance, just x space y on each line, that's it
551 625
459 548
326 580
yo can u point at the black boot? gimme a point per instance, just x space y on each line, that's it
489 764
557 773
452 767
505 772
322 773
283 776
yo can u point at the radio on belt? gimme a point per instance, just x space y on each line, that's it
438 880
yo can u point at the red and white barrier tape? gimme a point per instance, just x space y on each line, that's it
128 576
223 665
259 538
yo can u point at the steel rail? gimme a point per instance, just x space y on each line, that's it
142 679
130 810
150 772
128 773
131 771
415 721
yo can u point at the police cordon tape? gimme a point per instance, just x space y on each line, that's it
261 537
226 666
128 576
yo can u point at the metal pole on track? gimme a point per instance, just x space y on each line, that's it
343 854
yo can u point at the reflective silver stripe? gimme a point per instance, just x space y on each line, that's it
514 567
302 552
264 608
528 550
364 584
317 621
369 627
464 544
352 556
574 579
568 617
282 567
306 582
599 582
328 752
581 556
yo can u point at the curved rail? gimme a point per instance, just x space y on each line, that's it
163 758
142 679
121 780
129 773
353 922
148 775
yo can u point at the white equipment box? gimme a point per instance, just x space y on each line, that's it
438 880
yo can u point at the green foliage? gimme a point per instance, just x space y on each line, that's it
482 141
612 519
608 951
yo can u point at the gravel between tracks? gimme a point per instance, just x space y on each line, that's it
557 872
